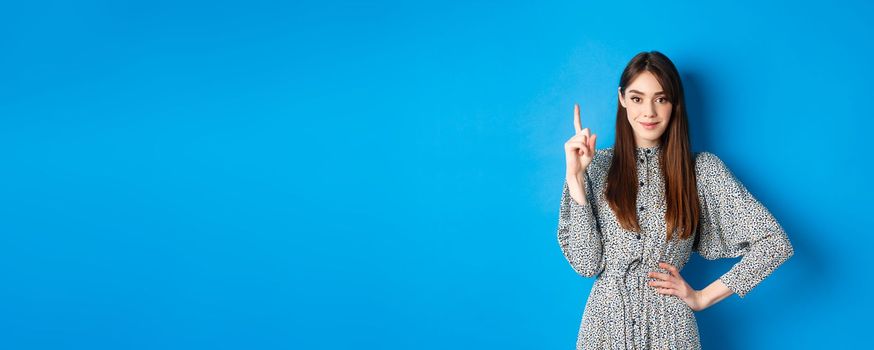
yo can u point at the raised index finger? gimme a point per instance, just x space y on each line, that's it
577 127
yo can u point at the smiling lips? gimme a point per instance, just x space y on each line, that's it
649 126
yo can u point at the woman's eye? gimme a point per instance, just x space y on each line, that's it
635 99
662 100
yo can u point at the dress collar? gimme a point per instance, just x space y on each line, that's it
653 150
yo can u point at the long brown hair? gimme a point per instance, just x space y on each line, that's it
677 166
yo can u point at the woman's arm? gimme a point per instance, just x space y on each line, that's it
735 224
712 294
578 233
576 187
672 283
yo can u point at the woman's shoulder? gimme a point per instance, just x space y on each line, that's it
704 157
708 164
603 152
603 157
601 162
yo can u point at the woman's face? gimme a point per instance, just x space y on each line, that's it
646 104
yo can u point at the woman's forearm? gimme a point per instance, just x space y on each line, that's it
576 187
714 293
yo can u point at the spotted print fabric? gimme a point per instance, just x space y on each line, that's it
622 311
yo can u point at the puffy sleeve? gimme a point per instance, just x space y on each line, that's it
733 223
579 234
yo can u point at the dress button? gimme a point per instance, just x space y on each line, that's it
647 151
642 208
641 183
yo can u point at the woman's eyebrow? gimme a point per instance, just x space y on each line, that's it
655 94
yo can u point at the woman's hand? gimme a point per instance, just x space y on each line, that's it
580 148
674 284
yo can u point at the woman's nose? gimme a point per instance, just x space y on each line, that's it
648 112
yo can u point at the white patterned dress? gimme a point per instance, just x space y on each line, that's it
622 311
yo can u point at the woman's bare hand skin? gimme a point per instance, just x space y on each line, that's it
579 151
672 283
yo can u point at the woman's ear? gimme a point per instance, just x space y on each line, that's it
621 100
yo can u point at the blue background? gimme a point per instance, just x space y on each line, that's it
378 175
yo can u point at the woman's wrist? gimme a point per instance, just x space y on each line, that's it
703 300
572 176
712 294
576 188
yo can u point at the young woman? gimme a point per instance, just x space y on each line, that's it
632 214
